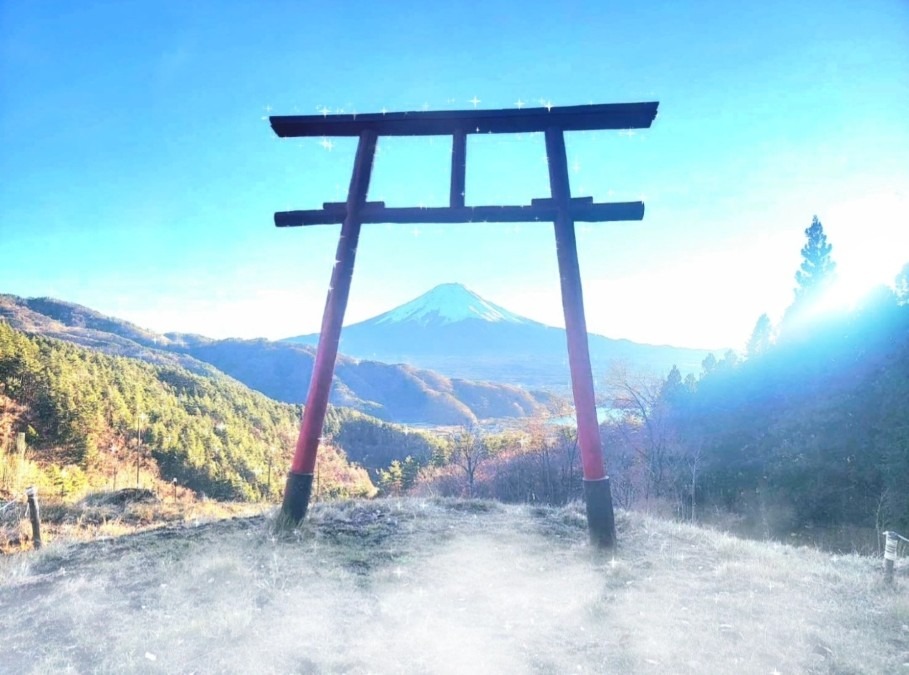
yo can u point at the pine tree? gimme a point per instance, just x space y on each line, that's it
708 364
815 275
817 269
673 381
901 285
672 388
761 336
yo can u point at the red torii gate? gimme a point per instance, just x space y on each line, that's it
560 208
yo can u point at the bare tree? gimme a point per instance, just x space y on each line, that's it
570 473
468 451
693 460
644 425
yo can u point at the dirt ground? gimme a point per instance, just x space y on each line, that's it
437 586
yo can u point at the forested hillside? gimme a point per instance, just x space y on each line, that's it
810 432
83 326
392 392
809 429
280 370
806 433
88 419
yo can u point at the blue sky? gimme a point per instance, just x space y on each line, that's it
138 174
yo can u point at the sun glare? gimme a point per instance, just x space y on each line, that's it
842 296
853 285
870 238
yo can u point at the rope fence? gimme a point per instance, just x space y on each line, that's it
897 535
29 509
11 514
7 505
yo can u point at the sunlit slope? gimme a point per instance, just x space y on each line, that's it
447 587
88 418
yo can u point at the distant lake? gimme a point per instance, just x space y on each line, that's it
603 413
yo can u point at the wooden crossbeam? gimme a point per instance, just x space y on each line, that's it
450 122
458 124
581 209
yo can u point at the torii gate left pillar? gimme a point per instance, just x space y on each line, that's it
560 208
299 481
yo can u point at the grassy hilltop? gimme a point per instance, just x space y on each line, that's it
430 586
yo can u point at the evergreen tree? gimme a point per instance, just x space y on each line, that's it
761 337
815 275
901 285
673 389
708 364
817 269
673 384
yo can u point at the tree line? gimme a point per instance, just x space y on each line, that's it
91 421
808 428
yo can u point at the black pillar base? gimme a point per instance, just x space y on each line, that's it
600 516
296 498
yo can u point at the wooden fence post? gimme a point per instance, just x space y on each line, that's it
31 493
889 556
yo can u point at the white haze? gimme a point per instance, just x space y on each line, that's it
431 587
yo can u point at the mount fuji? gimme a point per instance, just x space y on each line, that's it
454 331
281 370
447 304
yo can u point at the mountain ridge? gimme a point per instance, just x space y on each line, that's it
393 393
478 339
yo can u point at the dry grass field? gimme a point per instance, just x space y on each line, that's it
433 586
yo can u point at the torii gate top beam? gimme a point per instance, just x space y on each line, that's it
458 124
448 122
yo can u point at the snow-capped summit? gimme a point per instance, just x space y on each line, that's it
454 331
448 303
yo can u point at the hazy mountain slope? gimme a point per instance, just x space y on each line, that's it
281 370
88 328
390 392
77 316
452 330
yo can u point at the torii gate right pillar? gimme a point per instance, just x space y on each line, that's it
597 493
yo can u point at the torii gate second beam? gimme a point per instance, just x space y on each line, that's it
560 208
